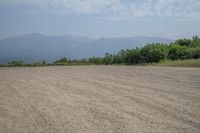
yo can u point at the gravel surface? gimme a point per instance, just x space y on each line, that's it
99 99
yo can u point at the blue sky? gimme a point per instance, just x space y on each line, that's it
101 18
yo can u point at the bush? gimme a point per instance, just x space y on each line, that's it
176 52
16 63
191 53
133 56
183 42
152 53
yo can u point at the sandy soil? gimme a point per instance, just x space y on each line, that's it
100 99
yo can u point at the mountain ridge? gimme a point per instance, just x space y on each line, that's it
36 47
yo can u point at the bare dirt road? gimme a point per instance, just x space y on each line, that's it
100 99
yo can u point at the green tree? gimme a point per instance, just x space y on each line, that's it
191 53
61 61
122 54
176 51
152 53
95 60
195 42
133 56
183 42
116 59
108 59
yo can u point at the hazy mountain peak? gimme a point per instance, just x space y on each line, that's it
36 47
31 35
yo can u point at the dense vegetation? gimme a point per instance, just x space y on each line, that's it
153 53
150 53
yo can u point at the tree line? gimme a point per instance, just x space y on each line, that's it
150 53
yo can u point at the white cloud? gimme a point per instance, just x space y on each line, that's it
80 6
117 8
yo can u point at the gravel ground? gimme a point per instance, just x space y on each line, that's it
99 99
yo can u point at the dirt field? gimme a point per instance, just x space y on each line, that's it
99 99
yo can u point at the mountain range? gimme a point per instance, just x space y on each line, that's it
37 47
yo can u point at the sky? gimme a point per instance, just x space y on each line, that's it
101 18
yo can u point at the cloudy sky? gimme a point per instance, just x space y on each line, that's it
97 18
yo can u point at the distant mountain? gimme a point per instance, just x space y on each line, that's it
37 47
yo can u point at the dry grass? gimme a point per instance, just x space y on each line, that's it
181 63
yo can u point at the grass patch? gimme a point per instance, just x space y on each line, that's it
180 63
